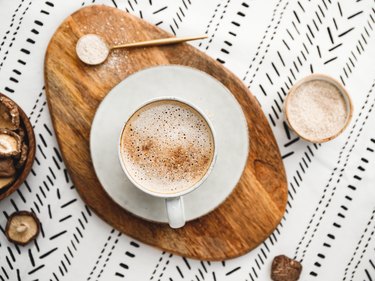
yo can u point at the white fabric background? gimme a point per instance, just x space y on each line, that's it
329 223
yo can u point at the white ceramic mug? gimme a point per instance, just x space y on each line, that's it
173 201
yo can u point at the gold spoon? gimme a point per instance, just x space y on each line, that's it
93 50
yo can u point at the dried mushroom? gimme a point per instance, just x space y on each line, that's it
7 168
9 114
22 227
6 181
285 269
23 156
21 133
10 143
14 144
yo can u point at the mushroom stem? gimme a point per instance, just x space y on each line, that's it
22 228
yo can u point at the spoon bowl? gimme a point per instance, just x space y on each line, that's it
92 49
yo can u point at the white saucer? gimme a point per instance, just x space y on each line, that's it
196 87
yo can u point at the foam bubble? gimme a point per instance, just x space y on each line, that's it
167 146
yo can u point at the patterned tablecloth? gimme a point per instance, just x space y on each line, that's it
330 220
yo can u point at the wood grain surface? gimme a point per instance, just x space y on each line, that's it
74 91
30 141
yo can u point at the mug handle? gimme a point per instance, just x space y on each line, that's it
175 211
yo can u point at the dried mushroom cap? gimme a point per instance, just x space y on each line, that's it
5 182
9 114
10 143
7 168
23 156
21 133
285 269
22 227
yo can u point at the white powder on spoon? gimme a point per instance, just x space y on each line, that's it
317 110
91 49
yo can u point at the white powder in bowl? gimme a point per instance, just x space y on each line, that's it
317 110
91 49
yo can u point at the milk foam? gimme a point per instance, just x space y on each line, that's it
167 146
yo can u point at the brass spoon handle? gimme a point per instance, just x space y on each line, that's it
158 42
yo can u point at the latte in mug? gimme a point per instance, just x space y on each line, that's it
167 146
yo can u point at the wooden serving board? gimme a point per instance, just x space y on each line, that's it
74 91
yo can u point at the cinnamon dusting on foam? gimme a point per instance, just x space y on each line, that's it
167 146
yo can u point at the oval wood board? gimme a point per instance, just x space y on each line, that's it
74 91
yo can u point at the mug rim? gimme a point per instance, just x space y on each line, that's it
160 194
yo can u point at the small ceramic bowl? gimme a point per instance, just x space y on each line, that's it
344 93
